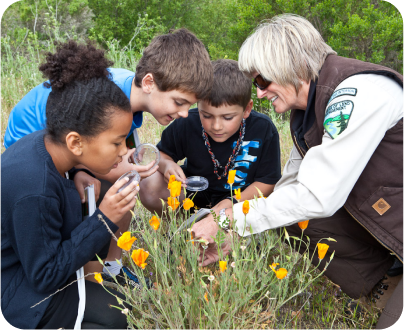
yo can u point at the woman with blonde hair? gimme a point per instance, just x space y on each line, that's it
345 171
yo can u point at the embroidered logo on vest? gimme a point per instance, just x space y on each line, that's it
381 206
337 118
342 91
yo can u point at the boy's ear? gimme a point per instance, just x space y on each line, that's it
74 143
248 109
147 83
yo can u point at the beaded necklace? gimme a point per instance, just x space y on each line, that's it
236 149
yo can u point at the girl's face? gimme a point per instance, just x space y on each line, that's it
103 152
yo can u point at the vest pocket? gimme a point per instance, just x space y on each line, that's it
385 208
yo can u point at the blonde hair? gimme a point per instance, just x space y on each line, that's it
285 49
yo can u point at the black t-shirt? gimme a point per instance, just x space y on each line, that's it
257 160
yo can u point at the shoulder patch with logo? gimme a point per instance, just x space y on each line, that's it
342 91
337 117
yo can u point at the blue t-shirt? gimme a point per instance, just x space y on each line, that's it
29 115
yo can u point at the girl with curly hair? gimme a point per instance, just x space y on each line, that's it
44 240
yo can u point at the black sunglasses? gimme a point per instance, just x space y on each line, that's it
261 83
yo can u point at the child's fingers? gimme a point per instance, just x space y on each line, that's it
118 185
80 189
145 168
148 173
127 190
130 155
128 203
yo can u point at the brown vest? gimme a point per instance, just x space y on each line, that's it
381 182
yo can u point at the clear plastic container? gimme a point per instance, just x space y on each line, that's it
196 183
145 154
132 175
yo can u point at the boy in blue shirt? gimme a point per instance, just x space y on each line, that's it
224 133
167 82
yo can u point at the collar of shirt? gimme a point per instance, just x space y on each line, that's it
304 119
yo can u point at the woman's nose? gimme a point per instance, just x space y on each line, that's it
261 93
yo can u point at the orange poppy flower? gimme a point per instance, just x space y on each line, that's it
303 224
232 175
246 207
175 188
98 277
154 222
170 181
237 193
125 241
322 250
187 204
173 203
139 257
222 266
281 273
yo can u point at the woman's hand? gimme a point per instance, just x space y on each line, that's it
82 180
224 204
207 229
116 204
210 254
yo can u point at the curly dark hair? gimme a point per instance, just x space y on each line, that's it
74 62
83 97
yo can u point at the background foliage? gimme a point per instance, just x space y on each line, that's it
369 30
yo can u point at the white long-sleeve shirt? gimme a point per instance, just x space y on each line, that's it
318 185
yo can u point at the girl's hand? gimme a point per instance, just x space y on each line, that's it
115 205
82 180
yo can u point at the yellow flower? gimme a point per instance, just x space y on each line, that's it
175 189
273 266
125 241
173 203
98 277
237 193
322 250
139 257
170 181
246 207
303 224
222 266
206 297
187 204
154 222
281 273
232 175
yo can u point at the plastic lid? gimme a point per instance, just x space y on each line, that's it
132 175
145 154
196 183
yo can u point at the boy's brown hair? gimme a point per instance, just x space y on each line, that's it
177 60
230 85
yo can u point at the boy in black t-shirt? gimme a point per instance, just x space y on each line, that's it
223 134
